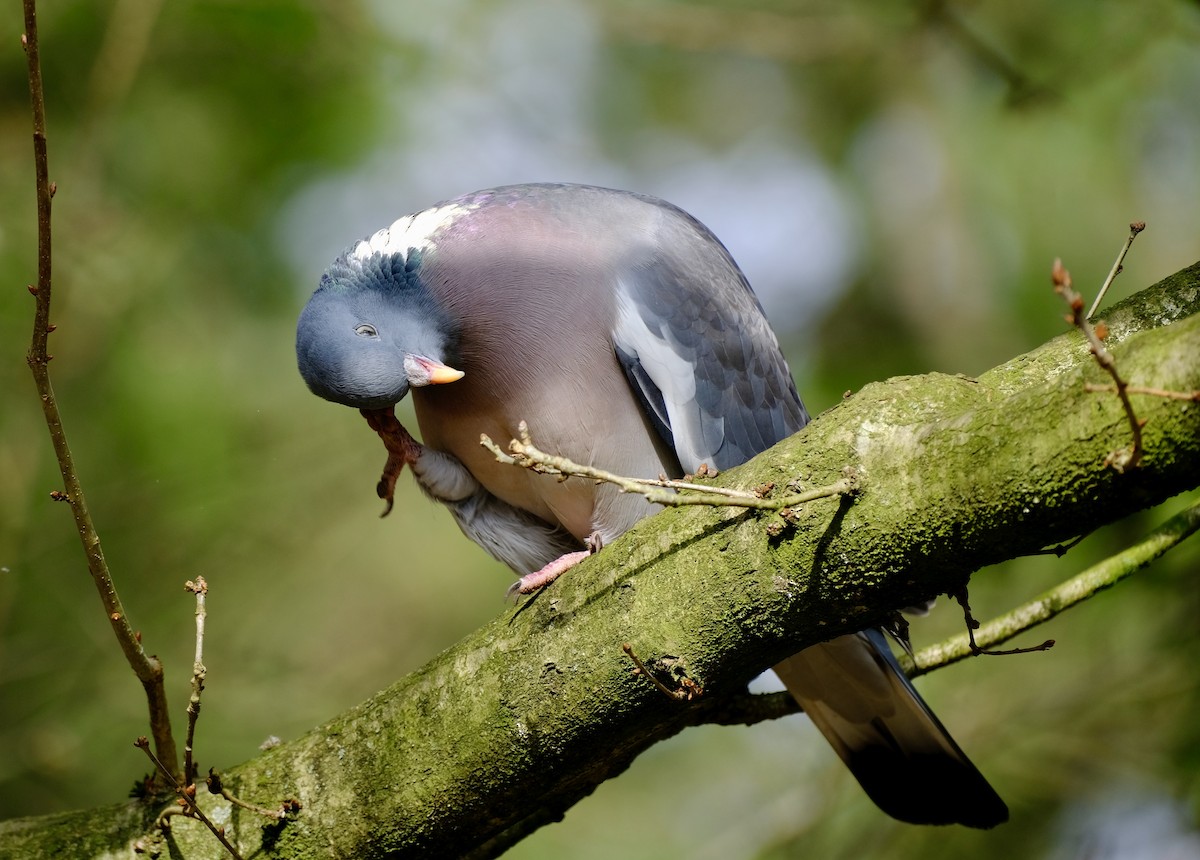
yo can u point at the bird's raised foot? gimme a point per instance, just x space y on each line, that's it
401 447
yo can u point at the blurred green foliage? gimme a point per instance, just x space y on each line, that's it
212 155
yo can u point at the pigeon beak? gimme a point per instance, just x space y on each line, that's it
425 371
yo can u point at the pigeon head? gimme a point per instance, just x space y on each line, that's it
372 330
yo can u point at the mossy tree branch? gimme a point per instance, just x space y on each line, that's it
521 719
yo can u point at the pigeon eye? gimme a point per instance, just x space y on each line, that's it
365 330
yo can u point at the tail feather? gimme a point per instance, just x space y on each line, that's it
856 694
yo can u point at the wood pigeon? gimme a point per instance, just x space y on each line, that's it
624 333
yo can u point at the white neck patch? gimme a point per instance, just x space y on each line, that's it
412 232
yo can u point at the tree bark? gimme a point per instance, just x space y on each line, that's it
505 731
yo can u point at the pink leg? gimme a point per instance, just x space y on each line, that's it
401 447
531 582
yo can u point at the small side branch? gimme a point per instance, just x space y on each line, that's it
215 786
1193 396
972 625
147 667
187 797
688 689
1059 550
1117 267
659 491
44 188
1075 590
199 673
1124 459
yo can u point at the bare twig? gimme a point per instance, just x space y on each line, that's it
1135 227
973 625
1193 396
163 822
199 673
147 667
216 786
1059 550
688 689
522 452
187 794
1121 460
1060 598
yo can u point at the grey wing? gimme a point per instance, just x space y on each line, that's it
706 367
701 357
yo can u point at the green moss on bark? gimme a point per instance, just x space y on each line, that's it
527 715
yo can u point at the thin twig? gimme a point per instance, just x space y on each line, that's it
147 667
1121 460
522 452
187 795
1135 227
41 162
216 786
179 808
688 689
1060 598
199 674
1193 396
972 625
275 814
671 484
1059 550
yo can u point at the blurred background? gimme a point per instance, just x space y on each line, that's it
894 177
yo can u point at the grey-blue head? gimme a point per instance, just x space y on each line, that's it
372 330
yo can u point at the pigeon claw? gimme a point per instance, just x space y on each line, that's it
401 447
539 579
